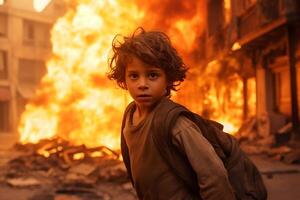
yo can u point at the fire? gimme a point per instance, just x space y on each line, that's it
227 7
75 101
251 96
217 94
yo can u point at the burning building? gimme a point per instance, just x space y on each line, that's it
243 57
74 100
237 71
256 40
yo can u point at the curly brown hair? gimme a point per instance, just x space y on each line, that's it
153 48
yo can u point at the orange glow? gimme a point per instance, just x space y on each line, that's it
217 94
78 156
75 100
228 127
40 5
236 46
227 8
251 83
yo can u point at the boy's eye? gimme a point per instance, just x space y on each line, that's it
133 76
153 75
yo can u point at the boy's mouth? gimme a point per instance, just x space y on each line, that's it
143 97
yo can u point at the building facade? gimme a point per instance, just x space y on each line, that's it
24 48
262 36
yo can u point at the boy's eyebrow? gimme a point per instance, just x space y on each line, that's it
132 70
154 69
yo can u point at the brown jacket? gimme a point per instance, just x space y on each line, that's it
152 177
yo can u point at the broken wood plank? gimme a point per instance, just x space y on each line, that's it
23 182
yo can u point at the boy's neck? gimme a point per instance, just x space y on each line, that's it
141 112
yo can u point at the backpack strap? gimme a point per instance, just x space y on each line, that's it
163 121
209 129
124 147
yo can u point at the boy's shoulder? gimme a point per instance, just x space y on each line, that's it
166 105
167 115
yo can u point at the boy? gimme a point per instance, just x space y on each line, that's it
149 67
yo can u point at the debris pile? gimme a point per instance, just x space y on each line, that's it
64 171
276 146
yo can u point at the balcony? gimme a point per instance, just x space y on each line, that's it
257 16
264 17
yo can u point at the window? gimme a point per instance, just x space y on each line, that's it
241 6
283 91
251 95
3 65
30 32
31 71
4 110
4 115
215 16
36 33
298 84
227 8
21 102
3 24
248 3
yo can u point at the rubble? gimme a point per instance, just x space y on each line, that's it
277 146
23 182
292 157
285 129
283 135
248 130
67 171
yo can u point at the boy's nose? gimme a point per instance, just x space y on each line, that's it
143 84
143 87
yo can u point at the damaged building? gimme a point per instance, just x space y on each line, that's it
24 47
243 70
261 38
253 44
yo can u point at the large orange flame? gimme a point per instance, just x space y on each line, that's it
75 100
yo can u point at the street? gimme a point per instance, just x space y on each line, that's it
282 180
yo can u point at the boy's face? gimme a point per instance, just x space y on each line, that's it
146 84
